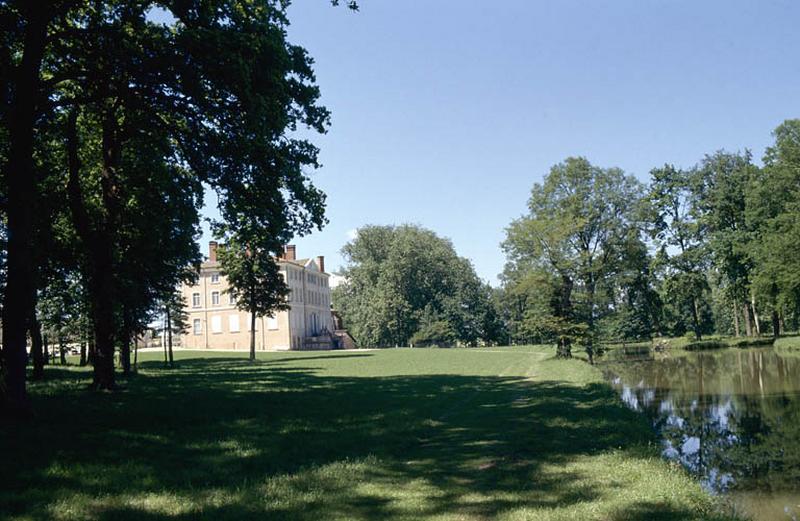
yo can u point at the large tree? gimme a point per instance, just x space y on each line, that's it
125 104
25 27
773 216
404 280
579 221
722 183
680 237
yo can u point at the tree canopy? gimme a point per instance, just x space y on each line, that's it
405 282
127 120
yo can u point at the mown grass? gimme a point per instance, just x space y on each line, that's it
431 434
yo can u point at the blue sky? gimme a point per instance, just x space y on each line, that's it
445 112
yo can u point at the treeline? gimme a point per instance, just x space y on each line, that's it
404 285
600 256
112 124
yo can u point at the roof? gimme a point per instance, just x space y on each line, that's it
297 262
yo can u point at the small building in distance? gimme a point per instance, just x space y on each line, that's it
214 322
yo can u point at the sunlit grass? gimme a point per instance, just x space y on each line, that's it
432 434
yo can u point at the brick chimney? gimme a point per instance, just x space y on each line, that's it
212 251
291 252
321 263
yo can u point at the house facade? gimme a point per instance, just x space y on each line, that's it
214 322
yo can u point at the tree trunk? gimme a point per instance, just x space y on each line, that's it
169 336
136 355
125 354
62 350
748 322
590 332
91 349
100 258
103 318
37 348
696 319
252 336
736 320
776 324
756 321
46 349
83 352
125 345
563 348
20 198
564 311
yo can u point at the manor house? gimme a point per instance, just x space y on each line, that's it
215 322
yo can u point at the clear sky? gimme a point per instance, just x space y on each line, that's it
445 112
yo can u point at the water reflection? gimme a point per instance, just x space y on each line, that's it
732 417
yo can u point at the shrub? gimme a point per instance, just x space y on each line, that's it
439 333
705 344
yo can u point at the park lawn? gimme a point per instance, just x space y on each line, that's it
416 434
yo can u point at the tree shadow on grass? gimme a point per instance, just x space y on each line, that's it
225 360
225 439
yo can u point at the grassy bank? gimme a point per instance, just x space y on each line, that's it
397 434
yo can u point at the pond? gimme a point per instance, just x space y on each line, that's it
731 417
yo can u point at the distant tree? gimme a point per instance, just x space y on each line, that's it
60 312
635 307
176 321
401 279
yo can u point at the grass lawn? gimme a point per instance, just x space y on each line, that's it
430 434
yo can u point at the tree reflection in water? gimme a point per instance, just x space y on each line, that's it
731 417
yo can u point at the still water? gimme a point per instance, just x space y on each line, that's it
732 417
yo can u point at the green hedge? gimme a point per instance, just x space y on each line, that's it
752 342
705 344
735 342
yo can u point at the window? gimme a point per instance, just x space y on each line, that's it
233 323
215 298
216 324
272 323
231 299
215 278
198 327
196 300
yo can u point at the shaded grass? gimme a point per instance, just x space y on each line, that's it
505 433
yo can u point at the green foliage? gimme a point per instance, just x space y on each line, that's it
438 333
682 254
133 119
254 280
751 342
566 257
700 345
399 278
773 215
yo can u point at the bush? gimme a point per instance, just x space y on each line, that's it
435 334
705 344
752 342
